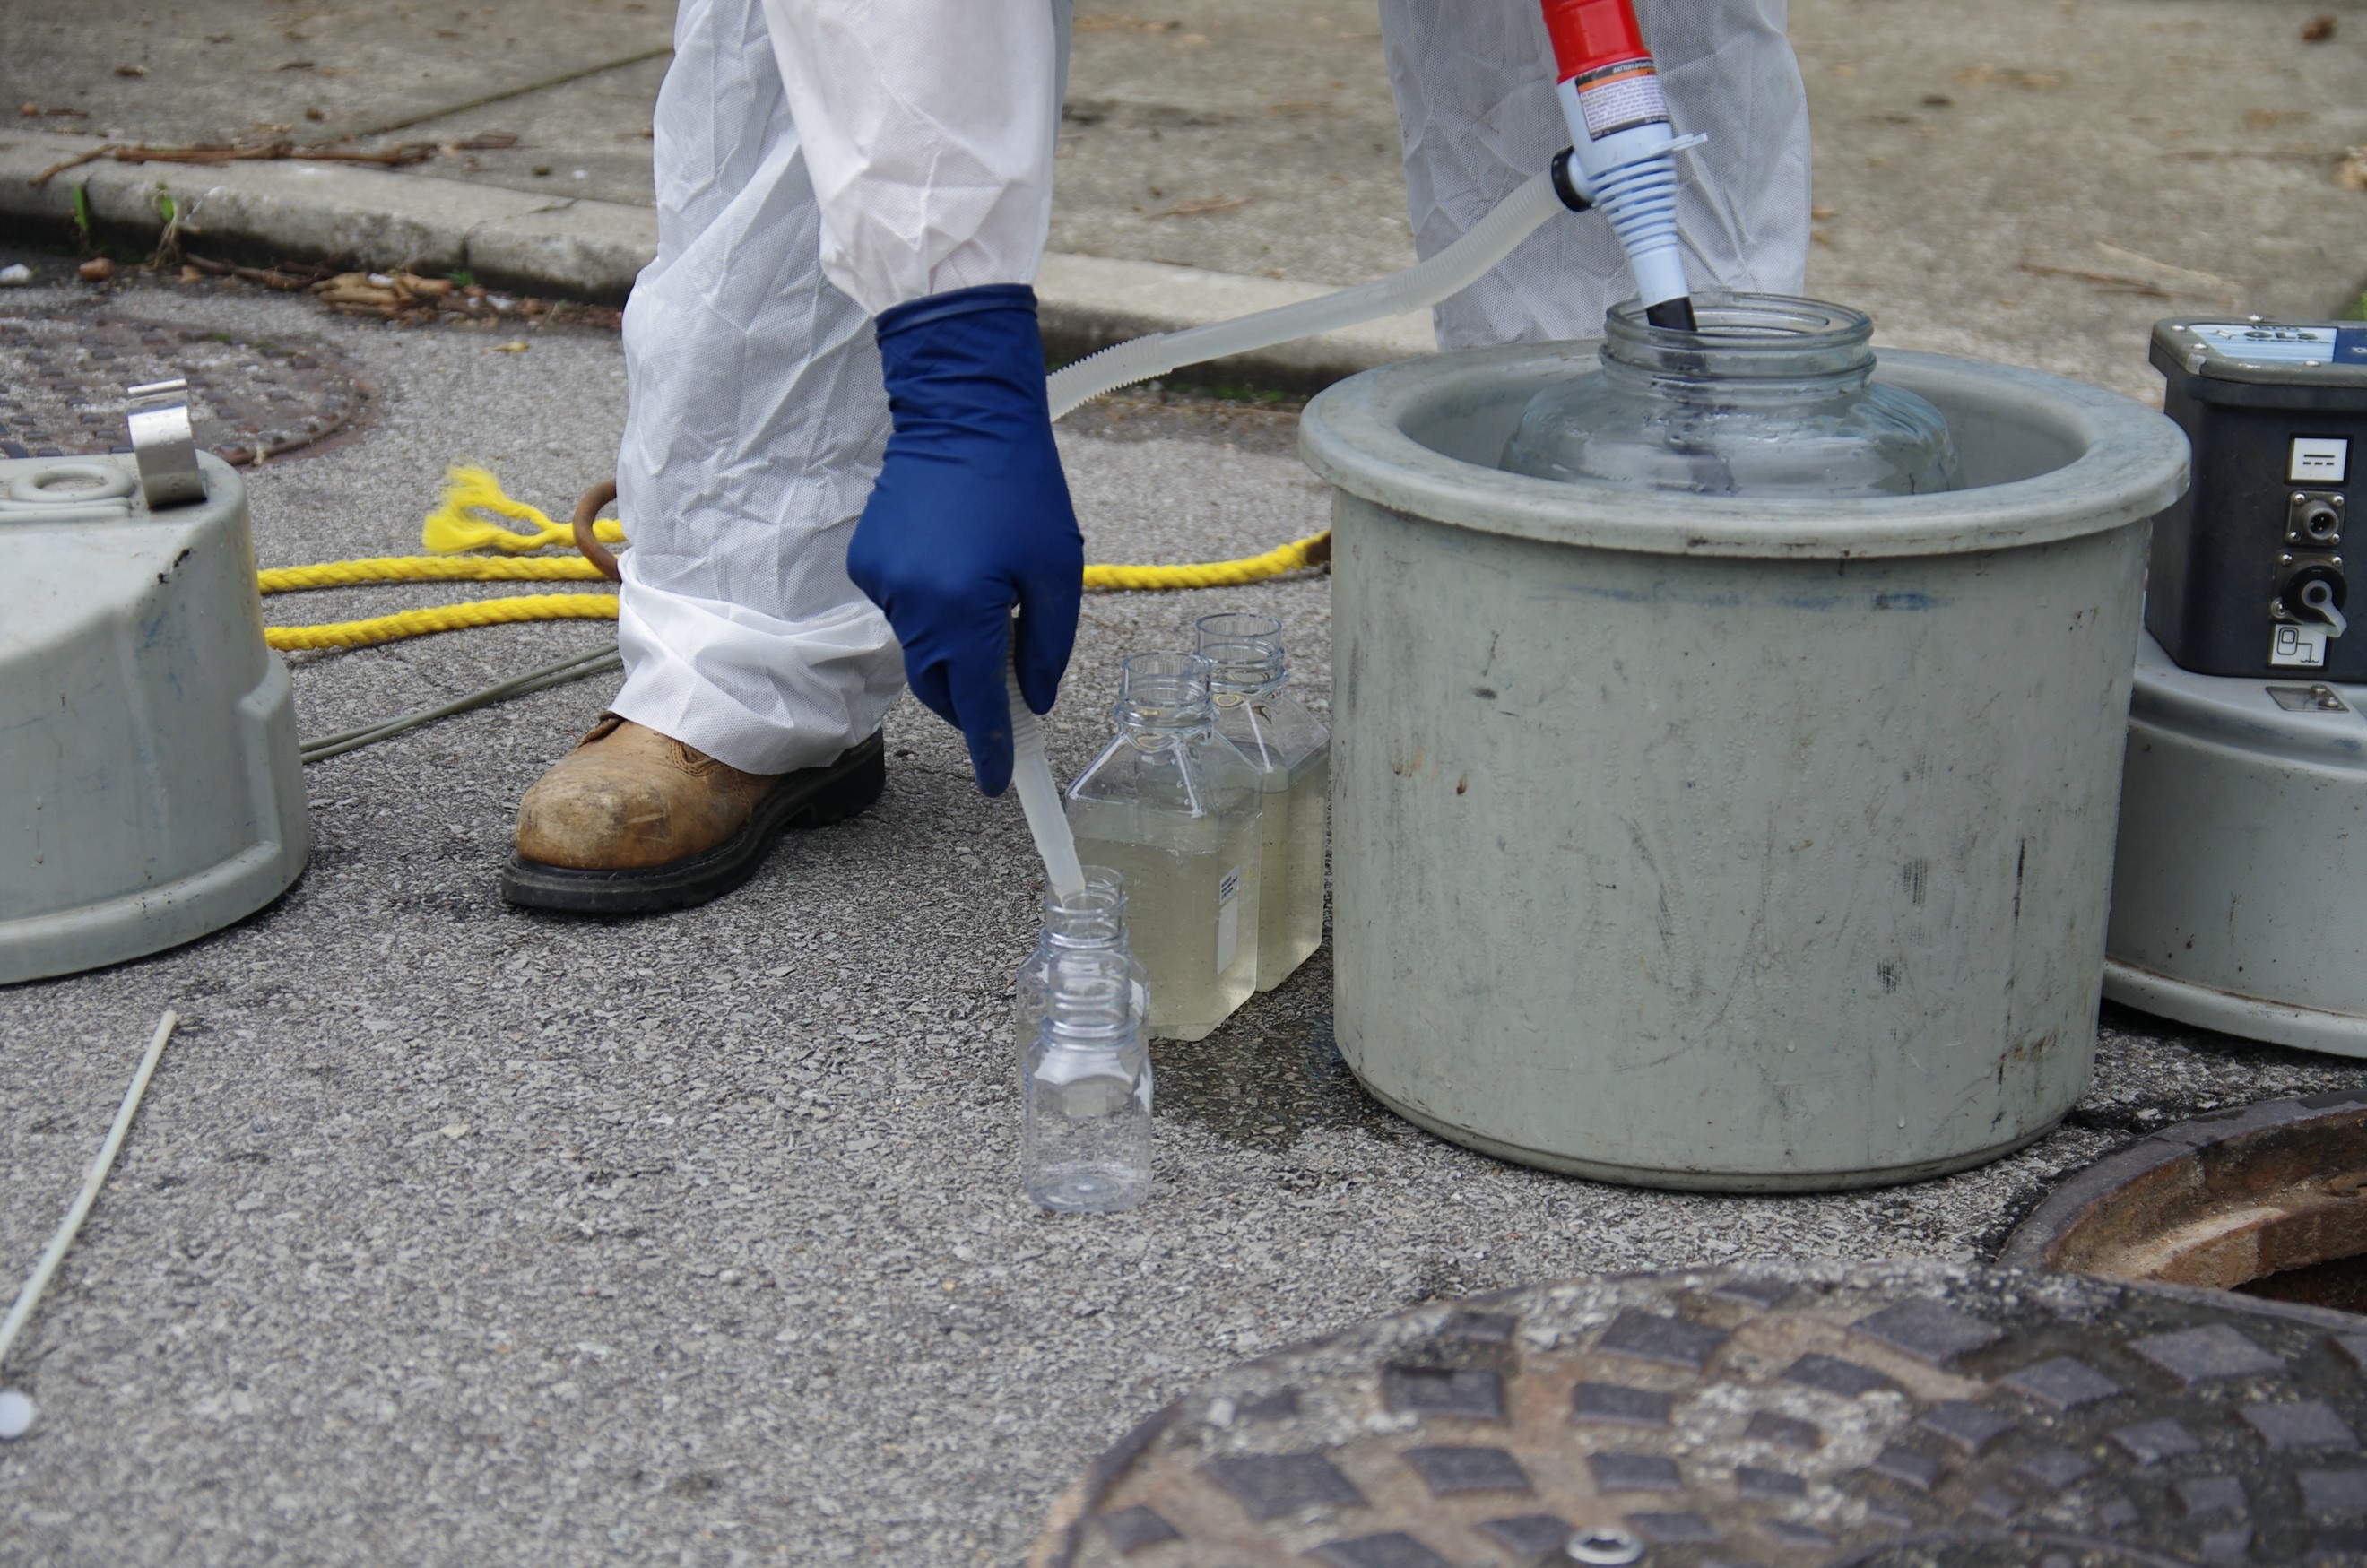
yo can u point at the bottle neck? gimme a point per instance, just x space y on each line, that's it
1093 916
1090 1003
1245 657
1749 348
1162 696
1085 928
1233 694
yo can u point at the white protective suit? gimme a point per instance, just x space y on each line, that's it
819 161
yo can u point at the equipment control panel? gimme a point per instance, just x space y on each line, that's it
2252 569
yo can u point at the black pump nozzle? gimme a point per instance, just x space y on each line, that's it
1674 315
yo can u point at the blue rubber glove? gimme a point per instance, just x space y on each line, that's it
970 515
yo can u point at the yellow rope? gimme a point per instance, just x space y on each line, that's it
457 523
428 569
446 618
1296 556
460 523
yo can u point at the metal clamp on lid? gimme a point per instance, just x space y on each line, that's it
164 445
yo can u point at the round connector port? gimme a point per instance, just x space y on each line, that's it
2318 519
2317 592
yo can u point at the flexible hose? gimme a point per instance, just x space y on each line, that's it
599 662
1418 287
1039 797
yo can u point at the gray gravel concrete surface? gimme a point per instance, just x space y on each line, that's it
2146 155
452 1235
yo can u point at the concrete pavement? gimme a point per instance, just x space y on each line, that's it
2034 183
453 1235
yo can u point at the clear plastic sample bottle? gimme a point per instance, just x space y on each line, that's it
1085 1142
1772 397
1291 748
1173 807
1092 921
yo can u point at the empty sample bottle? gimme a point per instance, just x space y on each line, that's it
1090 920
1291 748
1770 397
1173 807
1085 1142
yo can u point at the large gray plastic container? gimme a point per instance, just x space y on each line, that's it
1702 843
150 790
2243 850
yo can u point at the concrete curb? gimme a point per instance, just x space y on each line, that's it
338 212
593 249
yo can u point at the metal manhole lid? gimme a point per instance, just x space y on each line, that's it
62 378
1899 1416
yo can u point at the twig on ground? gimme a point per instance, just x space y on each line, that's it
402 155
2116 282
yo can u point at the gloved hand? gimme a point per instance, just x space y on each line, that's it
970 515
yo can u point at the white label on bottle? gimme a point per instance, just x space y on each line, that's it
1229 919
2301 647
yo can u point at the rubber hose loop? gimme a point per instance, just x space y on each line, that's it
1564 186
586 510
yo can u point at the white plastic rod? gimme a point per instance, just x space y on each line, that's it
1039 797
30 1296
1418 287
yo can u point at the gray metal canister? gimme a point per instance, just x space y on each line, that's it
1699 841
150 790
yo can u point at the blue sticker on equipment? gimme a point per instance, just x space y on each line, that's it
2350 345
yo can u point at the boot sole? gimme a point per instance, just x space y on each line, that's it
815 798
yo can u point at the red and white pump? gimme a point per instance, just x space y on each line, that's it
1622 148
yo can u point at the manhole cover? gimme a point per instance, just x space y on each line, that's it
1905 1417
2269 1199
61 381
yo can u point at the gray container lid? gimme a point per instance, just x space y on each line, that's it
2045 459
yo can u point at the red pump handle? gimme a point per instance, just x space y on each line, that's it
1590 34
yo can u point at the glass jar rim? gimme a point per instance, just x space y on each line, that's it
1743 335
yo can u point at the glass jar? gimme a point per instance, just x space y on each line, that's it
1772 397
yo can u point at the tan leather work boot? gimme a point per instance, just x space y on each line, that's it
632 821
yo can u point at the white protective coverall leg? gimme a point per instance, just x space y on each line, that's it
756 426
758 416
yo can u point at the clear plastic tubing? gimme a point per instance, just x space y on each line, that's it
1039 798
1418 287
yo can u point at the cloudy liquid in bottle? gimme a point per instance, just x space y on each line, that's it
1193 893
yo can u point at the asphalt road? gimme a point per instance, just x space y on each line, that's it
2029 180
454 1235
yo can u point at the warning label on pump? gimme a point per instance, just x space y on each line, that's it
2275 343
1620 97
2298 647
